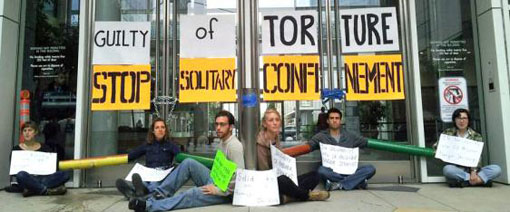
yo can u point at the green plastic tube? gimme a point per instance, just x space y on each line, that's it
392 146
208 162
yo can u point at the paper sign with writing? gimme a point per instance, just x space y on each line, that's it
374 77
148 174
291 78
121 42
37 163
284 164
207 36
453 94
460 151
290 32
256 188
207 80
369 30
222 170
121 87
342 160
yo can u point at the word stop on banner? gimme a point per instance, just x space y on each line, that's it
117 87
374 77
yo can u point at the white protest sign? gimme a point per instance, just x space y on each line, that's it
121 43
460 151
342 160
207 36
37 163
284 164
369 30
289 32
452 96
148 174
256 188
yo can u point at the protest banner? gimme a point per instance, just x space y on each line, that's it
222 170
460 151
148 174
342 160
374 77
284 164
121 87
118 42
33 162
256 188
291 78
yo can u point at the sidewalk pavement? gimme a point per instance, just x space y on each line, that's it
429 197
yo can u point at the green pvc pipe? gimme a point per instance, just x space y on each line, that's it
208 162
392 146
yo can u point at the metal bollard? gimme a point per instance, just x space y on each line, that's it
99 183
400 179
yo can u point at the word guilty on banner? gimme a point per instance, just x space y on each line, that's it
375 77
207 79
120 37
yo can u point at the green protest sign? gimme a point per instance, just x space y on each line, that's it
222 170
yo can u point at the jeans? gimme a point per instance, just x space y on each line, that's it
194 197
306 183
459 174
348 182
40 183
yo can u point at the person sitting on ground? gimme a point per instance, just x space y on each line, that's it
289 191
164 197
460 176
334 136
29 184
159 153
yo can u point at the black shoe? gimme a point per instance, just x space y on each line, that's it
140 189
458 184
125 189
13 188
488 184
28 193
137 204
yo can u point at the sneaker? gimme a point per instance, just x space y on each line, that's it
137 204
363 185
330 186
318 195
13 188
488 184
59 190
125 189
458 184
140 189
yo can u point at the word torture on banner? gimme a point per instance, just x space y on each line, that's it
207 36
369 30
289 32
283 164
342 160
291 78
207 80
374 77
460 151
117 87
256 188
121 43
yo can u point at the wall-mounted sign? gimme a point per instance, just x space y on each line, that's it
449 55
291 78
452 95
207 36
374 77
121 43
121 87
369 30
207 80
289 32
47 60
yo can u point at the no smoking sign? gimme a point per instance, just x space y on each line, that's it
452 95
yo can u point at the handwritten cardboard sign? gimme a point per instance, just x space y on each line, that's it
460 151
37 163
284 164
222 170
148 174
342 160
256 188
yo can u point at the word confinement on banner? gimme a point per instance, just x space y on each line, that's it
374 77
207 80
291 78
121 87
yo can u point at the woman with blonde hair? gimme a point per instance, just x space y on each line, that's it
289 191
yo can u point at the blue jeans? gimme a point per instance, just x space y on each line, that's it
459 174
40 183
348 182
194 197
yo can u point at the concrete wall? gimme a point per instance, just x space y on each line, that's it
494 59
9 36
